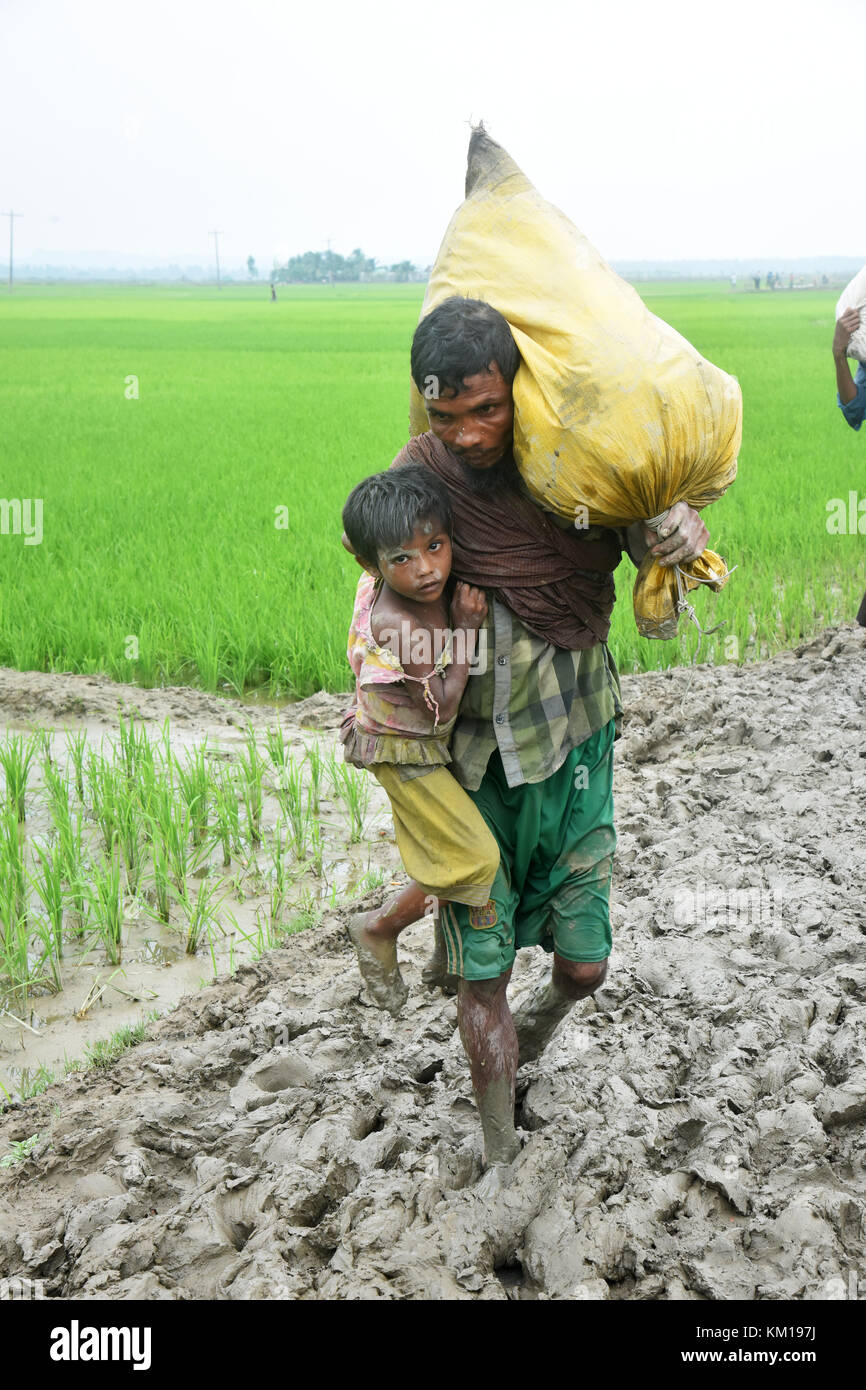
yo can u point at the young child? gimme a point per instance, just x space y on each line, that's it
411 644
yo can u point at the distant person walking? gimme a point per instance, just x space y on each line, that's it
757 280
851 390
273 293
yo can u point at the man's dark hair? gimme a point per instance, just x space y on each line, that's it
382 512
460 338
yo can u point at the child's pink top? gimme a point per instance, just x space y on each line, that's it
384 724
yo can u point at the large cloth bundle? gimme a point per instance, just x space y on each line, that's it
617 417
854 297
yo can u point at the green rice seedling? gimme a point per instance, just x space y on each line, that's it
208 654
201 911
47 969
44 746
129 820
146 789
126 749
263 938
251 795
56 781
76 744
355 791
102 782
48 882
315 762
69 852
282 877
161 801
373 878
105 1051
268 934
213 926
194 782
277 748
177 843
308 914
78 900
252 768
161 867
16 974
133 750
228 823
12 860
316 847
333 766
163 757
135 755
16 757
34 1083
105 895
295 807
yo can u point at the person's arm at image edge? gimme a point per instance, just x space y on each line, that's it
851 394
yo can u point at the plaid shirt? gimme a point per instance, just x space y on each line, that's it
531 700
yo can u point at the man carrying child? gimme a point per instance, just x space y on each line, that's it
532 744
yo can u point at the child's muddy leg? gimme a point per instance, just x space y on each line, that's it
374 936
435 973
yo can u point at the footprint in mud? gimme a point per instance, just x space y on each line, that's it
269 1077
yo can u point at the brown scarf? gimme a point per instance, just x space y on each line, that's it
558 582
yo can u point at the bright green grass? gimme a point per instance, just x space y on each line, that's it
159 512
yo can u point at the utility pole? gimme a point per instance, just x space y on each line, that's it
216 242
11 215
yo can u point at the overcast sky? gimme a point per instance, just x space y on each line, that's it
665 129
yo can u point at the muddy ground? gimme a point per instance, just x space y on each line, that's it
696 1132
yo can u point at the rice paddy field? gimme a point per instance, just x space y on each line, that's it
197 1099
182 456
192 450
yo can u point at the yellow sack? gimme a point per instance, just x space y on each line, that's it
615 412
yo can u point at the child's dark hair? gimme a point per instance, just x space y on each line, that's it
383 510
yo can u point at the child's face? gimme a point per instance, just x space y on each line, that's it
420 568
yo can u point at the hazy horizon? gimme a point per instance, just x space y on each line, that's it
664 133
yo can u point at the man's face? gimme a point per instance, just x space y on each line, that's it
477 424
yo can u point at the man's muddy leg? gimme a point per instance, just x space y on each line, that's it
538 1017
374 936
490 1043
435 973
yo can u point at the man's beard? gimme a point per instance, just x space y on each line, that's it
499 477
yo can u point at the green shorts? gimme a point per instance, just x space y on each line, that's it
556 843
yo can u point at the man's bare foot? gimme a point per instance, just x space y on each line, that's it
435 975
495 1178
377 961
538 1016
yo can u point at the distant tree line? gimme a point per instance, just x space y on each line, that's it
314 267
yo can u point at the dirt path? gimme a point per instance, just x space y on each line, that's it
696 1133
